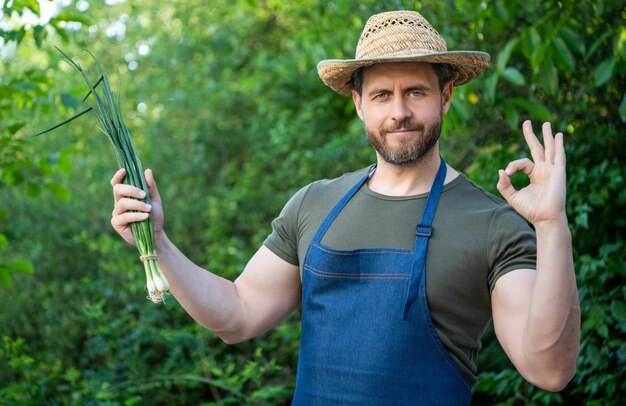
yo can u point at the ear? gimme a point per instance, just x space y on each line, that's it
356 97
446 97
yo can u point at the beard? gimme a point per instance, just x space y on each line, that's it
411 150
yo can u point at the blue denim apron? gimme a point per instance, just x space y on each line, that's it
367 334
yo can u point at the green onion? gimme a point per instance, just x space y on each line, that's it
108 113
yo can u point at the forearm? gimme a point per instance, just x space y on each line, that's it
552 336
211 300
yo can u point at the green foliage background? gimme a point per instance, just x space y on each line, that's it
224 103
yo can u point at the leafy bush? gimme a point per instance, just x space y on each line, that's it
225 105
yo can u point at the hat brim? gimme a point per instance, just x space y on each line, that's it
466 66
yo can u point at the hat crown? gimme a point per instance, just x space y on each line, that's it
398 33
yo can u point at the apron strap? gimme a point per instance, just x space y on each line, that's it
339 206
423 233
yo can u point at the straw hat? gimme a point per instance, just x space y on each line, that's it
401 36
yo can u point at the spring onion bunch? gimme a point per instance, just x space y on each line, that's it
107 111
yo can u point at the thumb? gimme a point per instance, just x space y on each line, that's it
505 187
152 186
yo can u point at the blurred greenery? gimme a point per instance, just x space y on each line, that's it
224 103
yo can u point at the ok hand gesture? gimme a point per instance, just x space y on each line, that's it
543 200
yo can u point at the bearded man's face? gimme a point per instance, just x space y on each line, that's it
402 108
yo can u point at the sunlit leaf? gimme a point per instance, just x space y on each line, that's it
66 15
562 55
20 266
59 191
534 108
505 54
33 189
5 277
603 72
513 76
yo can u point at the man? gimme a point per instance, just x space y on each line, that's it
399 267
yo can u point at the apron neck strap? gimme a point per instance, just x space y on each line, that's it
339 206
423 232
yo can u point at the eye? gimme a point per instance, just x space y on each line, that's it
416 93
381 96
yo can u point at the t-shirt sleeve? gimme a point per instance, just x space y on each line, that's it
512 244
283 241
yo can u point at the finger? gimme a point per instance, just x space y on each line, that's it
118 177
152 186
127 204
505 186
122 190
548 141
125 219
559 150
536 149
525 165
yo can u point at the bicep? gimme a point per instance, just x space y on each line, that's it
510 303
269 288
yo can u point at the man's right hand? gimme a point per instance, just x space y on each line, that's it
128 209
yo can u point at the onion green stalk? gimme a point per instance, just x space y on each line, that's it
107 111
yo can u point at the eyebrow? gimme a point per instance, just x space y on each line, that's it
420 87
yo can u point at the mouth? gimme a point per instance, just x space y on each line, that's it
402 131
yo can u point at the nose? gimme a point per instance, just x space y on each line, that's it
400 109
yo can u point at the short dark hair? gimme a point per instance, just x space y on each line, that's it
443 71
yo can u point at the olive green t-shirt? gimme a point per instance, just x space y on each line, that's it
476 238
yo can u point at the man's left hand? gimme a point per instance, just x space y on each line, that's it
543 200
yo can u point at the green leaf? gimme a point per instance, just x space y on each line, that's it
59 191
38 32
549 79
535 38
65 163
603 72
5 277
66 15
622 109
20 266
597 43
60 30
15 127
603 331
599 6
512 116
505 54
33 190
621 353
3 241
534 108
20 5
573 41
563 56
536 60
69 100
513 76
618 309
596 199
490 88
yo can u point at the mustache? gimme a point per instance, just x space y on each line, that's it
406 125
